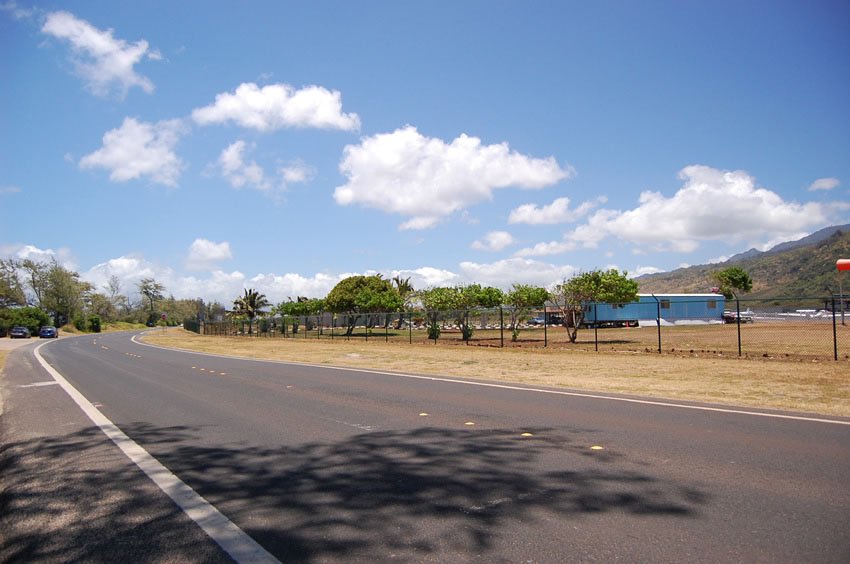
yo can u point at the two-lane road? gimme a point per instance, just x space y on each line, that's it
324 464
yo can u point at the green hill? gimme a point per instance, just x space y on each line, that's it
804 268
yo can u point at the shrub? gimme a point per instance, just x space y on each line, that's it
80 323
94 323
433 328
32 318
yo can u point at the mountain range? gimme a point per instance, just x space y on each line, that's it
801 268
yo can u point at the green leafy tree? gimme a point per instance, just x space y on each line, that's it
435 300
459 300
36 274
406 293
522 298
153 291
732 281
362 295
64 294
302 306
103 307
607 286
250 305
214 311
119 302
33 318
11 287
179 310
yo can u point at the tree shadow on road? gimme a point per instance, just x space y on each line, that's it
426 493
77 498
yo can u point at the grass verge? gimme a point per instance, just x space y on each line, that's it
821 387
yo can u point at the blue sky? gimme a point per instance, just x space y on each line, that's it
284 145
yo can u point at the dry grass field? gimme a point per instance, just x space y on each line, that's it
775 381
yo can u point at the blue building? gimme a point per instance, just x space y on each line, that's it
671 308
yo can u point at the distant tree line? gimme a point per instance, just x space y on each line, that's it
35 293
362 299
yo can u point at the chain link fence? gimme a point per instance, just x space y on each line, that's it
788 328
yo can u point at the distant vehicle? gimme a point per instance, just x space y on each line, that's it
732 317
19 333
537 320
48 332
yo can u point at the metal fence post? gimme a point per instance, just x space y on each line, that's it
835 329
502 326
658 319
738 319
595 328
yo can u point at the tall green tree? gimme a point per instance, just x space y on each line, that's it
459 300
406 292
35 274
11 287
101 306
573 295
404 288
152 290
64 294
119 301
733 281
250 305
362 295
522 298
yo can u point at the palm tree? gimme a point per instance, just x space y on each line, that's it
250 305
405 290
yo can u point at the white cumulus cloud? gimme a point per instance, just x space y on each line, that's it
549 248
503 273
277 106
238 173
62 255
138 149
103 61
557 212
712 205
297 173
427 179
824 184
205 254
494 241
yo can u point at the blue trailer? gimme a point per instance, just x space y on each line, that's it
670 308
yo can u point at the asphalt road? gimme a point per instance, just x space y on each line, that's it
322 464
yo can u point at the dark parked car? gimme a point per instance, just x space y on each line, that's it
48 333
19 333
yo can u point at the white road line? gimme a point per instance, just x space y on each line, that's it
521 388
224 532
39 384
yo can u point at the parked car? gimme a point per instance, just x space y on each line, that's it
540 320
19 333
48 332
732 317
